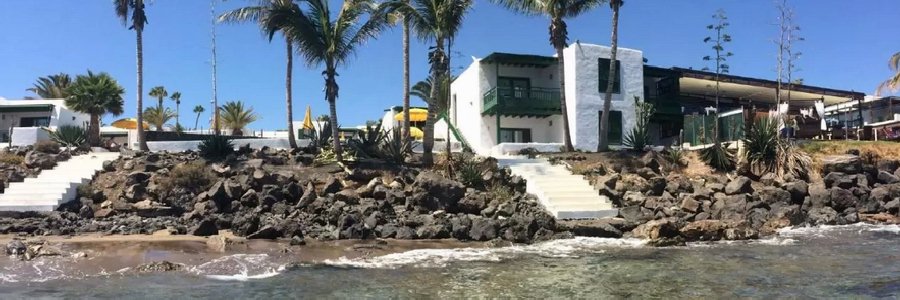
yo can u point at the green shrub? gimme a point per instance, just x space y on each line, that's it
501 192
761 144
394 147
328 156
675 156
529 152
639 137
51 147
718 157
216 147
322 136
68 135
192 176
11 158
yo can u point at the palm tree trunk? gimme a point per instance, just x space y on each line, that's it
94 136
567 137
197 121
331 92
607 101
436 71
405 132
289 99
142 141
177 114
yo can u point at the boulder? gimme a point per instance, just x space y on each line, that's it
634 214
483 229
689 204
885 177
16 247
842 199
441 193
657 185
846 163
739 185
266 232
798 190
656 229
603 228
822 216
771 194
207 227
332 185
704 230
887 165
35 159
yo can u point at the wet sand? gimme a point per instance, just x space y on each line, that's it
107 254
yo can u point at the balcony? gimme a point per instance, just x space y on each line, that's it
532 102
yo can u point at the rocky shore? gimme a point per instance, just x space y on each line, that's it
671 209
270 194
287 195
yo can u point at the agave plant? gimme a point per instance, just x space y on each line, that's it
394 147
366 144
216 147
639 136
719 157
68 135
761 144
321 138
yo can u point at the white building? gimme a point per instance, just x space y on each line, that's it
21 120
524 91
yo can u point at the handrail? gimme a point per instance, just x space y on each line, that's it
512 100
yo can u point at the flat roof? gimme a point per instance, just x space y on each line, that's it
26 108
742 80
520 60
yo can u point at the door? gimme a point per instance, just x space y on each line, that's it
515 135
513 88
615 127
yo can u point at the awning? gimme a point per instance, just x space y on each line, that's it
26 108
415 115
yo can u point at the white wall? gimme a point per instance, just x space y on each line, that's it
179 146
584 98
467 88
24 136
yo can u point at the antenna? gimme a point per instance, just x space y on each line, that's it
215 99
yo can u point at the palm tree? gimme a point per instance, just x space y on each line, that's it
52 86
158 116
138 20
198 110
95 94
160 93
437 20
397 10
610 83
273 16
176 96
331 42
235 116
892 83
423 90
557 11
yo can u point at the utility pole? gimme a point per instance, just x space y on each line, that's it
215 99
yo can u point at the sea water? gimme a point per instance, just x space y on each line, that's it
856 261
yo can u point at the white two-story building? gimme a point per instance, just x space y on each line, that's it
21 120
505 102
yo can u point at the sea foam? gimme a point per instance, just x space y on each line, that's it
430 258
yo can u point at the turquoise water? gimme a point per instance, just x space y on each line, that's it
859 261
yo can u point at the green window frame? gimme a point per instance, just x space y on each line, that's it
614 128
603 75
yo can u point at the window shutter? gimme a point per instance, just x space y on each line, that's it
603 66
615 127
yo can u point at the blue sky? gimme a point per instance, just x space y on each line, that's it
847 46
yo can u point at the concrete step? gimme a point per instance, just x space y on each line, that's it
55 186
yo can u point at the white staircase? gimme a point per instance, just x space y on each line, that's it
565 195
55 186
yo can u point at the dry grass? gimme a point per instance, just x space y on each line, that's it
11 158
869 151
695 167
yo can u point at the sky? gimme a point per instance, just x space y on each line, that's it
847 46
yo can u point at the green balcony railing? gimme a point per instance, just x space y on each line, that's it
535 102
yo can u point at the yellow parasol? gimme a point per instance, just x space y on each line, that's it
416 133
307 119
415 115
128 123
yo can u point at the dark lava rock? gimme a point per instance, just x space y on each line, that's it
267 232
740 185
207 227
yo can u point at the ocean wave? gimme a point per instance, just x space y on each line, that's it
238 267
435 258
823 230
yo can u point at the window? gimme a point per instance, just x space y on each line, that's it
515 88
515 135
614 128
603 63
34 122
